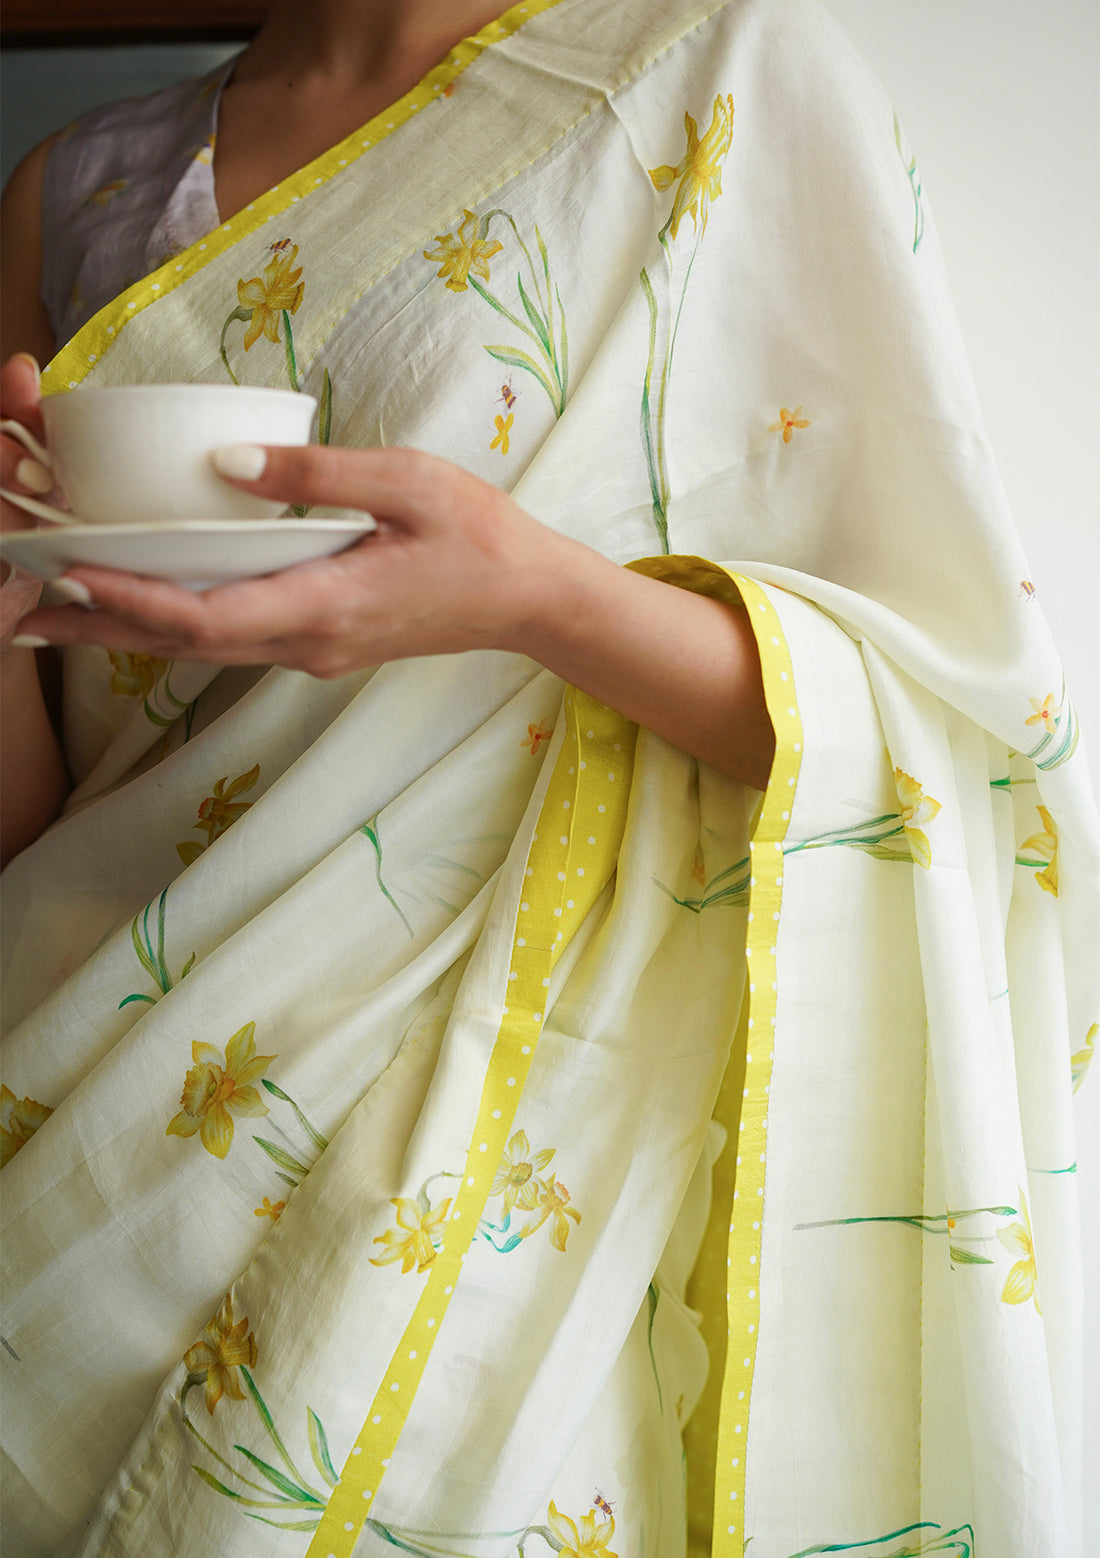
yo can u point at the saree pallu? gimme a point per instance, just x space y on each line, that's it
443 1118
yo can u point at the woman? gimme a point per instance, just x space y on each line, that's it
370 1023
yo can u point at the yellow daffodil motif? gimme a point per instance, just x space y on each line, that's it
219 811
1082 1059
19 1119
586 1538
1046 713
135 676
552 1201
280 289
536 735
788 421
916 807
503 427
224 1347
462 252
106 193
1046 845
272 1209
1016 1238
515 1177
699 169
218 1087
417 1237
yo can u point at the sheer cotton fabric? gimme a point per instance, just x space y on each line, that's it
436 1106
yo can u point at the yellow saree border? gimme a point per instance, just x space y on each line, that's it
71 365
757 1029
748 1207
582 818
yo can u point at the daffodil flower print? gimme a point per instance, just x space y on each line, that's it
698 177
465 258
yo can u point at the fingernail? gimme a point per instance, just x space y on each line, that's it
244 462
73 590
34 476
27 357
29 641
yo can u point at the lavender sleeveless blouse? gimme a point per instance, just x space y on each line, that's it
125 188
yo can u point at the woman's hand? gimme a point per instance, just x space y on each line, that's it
19 397
449 568
454 565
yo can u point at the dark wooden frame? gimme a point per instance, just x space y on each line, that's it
58 23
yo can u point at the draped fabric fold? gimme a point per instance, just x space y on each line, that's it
440 1117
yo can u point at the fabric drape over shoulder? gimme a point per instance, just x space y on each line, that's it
443 1118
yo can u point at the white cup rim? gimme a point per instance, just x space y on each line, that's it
206 390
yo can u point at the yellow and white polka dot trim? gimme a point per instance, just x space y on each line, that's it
573 854
747 1210
78 357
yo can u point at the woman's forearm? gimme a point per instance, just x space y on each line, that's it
682 664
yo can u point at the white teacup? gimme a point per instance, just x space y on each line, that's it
134 453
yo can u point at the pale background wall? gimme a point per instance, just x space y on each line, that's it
999 101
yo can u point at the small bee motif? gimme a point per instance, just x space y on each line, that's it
601 1503
507 394
282 246
1027 589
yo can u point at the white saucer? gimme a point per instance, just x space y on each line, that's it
196 553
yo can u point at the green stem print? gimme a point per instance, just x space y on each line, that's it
942 1224
292 1161
910 163
884 838
935 1539
466 254
151 953
698 176
170 707
281 1492
265 304
370 828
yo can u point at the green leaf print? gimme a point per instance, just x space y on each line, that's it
151 955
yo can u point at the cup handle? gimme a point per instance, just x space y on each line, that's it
38 509
17 431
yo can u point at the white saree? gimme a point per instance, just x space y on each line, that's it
438 1116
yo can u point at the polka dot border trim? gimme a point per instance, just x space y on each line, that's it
748 1207
573 855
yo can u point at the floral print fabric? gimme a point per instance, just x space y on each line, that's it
773 1147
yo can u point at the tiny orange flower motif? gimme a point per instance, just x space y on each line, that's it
135 676
503 427
1046 845
279 290
462 252
224 1347
272 1209
19 1119
1046 713
417 1237
536 735
586 1538
916 807
552 1201
698 869
699 169
788 421
515 1177
217 1087
1020 1284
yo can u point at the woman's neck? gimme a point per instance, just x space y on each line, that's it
355 42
